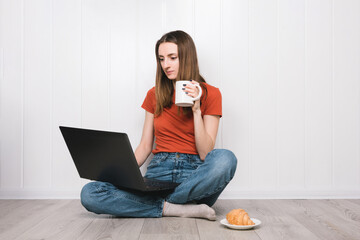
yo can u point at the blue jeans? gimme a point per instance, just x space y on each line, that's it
200 182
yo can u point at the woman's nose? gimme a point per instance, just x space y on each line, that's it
165 63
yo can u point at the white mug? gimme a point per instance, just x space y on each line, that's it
181 98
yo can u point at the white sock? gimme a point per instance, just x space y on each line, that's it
189 210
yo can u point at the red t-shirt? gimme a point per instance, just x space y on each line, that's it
175 132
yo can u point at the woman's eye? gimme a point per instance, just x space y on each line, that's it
173 58
161 59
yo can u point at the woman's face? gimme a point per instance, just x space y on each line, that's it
169 60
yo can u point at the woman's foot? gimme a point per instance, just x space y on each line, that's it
189 210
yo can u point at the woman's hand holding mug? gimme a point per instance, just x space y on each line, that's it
187 92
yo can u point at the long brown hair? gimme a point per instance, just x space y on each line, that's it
188 69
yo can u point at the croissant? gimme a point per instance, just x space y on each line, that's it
239 217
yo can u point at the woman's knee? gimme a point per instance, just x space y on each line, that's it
88 195
224 160
223 156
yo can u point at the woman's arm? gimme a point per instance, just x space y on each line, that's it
205 128
205 132
146 144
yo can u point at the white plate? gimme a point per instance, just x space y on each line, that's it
241 227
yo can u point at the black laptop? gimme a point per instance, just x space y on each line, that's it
108 157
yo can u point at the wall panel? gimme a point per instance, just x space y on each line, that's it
179 15
207 38
38 90
66 59
263 92
346 102
318 82
95 65
121 54
11 94
291 94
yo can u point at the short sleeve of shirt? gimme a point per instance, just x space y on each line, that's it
149 103
213 102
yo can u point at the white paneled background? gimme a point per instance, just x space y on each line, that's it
288 70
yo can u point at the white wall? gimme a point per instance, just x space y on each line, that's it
289 72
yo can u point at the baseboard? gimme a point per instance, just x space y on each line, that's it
18 193
39 194
291 194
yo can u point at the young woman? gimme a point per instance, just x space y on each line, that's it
184 136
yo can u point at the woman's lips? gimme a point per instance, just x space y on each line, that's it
169 72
